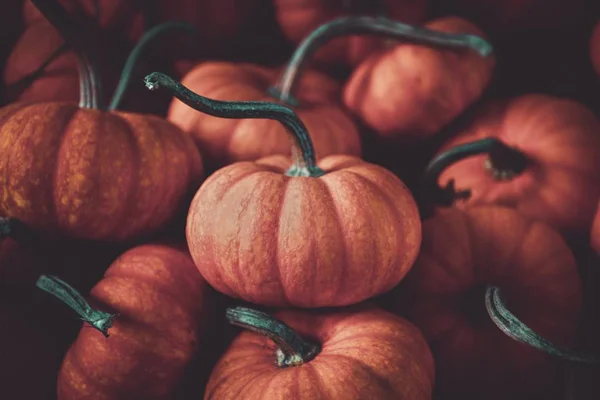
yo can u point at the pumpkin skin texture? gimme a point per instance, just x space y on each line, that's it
559 136
257 234
409 92
595 48
162 301
224 141
366 353
298 19
108 176
464 250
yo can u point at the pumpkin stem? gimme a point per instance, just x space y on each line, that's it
511 161
292 350
517 330
303 153
380 26
138 50
99 320
77 38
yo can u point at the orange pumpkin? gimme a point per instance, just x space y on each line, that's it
299 18
544 162
409 92
287 232
93 174
596 231
357 353
595 47
443 295
162 303
223 141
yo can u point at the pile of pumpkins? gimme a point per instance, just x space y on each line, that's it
299 199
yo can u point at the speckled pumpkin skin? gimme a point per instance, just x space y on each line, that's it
298 18
259 235
561 136
409 92
91 174
366 353
162 300
464 250
224 141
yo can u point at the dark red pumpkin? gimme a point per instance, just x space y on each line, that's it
595 47
357 353
409 92
223 141
443 295
287 232
93 174
298 18
559 141
162 303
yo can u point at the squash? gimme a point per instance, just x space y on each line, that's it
536 153
92 174
284 232
225 141
443 295
357 353
162 303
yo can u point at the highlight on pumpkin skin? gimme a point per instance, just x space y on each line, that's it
504 163
303 153
99 320
132 60
380 26
292 350
514 328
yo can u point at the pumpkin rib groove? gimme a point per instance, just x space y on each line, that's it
370 370
343 277
284 293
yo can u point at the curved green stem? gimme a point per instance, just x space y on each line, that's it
517 330
292 350
77 38
138 50
380 26
100 320
303 153
504 162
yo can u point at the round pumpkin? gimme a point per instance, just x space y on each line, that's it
443 295
223 141
162 303
595 47
558 183
287 232
298 19
356 353
409 92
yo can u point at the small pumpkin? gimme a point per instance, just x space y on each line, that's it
161 302
536 153
595 47
284 232
409 92
298 19
443 295
223 141
92 174
358 353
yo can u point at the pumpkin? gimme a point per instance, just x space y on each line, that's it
538 154
284 232
443 295
409 92
161 302
596 231
357 353
595 47
224 141
93 174
12 25
502 17
298 19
